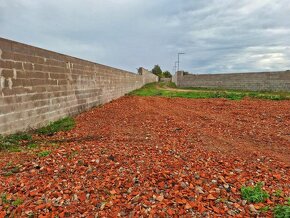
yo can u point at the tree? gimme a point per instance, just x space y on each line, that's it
167 74
157 71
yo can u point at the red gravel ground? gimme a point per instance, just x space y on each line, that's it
158 157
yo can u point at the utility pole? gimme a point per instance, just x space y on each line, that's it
180 53
175 66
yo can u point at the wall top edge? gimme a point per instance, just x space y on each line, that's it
238 73
65 55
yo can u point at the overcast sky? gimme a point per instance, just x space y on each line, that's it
216 35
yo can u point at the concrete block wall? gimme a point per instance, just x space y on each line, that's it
39 86
148 76
264 81
166 80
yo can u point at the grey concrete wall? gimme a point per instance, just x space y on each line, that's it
148 77
167 80
177 76
271 81
39 86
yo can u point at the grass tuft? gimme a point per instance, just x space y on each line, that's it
14 203
64 124
17 202
32 146
170 85
4 198
11 142
282 211
265 209
254 194
44 153
278 193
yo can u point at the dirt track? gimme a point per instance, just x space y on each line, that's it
160 156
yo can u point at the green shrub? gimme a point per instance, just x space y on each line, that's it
254 194
64 124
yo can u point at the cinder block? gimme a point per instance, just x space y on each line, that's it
5 45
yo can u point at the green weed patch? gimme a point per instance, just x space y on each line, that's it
159 89
254 194
64 124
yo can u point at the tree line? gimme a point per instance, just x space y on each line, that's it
158 72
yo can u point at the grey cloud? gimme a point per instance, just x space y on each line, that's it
217 35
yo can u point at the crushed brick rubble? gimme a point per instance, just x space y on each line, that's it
155 157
